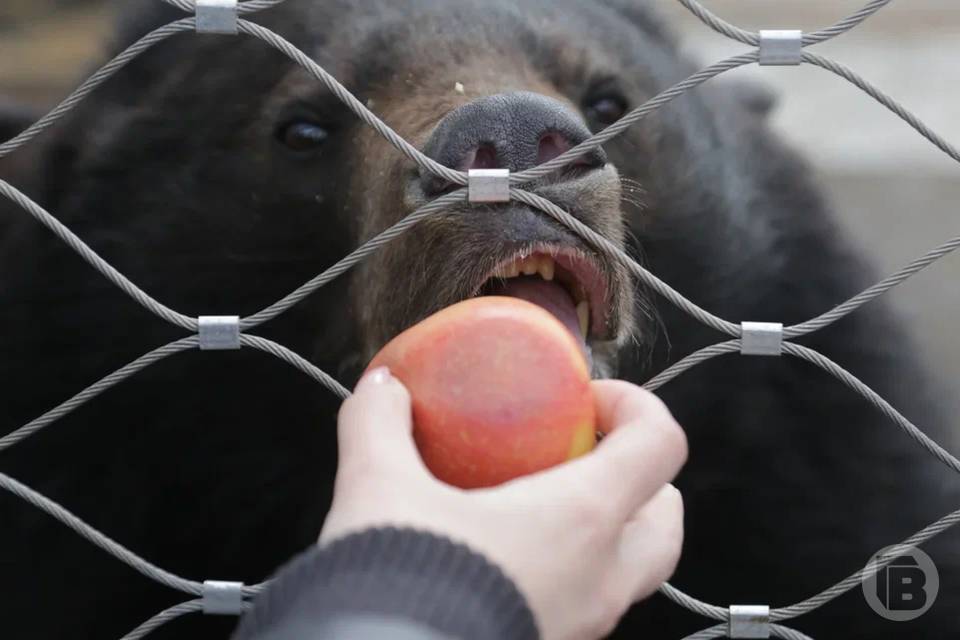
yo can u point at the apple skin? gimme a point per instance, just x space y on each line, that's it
499 389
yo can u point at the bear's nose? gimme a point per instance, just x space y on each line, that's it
513 131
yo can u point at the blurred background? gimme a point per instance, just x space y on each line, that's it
894 191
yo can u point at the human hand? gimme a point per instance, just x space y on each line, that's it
582 541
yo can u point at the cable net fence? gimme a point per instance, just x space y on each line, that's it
749 338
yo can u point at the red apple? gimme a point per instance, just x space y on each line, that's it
500 389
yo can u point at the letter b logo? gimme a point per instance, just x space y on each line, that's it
900 585
904 589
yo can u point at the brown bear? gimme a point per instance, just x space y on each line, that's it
218 175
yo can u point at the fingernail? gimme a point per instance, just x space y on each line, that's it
378 376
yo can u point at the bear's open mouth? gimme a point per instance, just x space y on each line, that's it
567 282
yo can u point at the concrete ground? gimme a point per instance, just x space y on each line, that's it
893 190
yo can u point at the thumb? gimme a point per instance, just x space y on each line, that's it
375 425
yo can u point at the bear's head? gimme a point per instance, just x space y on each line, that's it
213 169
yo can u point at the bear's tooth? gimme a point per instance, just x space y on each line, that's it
546 268
530 266
583 315
508 270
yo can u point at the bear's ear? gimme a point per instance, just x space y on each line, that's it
15 117
756 98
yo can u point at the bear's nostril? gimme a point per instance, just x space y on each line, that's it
551 146
483 157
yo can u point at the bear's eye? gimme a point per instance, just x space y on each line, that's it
302 136
606 110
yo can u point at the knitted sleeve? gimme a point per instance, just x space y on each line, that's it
389 583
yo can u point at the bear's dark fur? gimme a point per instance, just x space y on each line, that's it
219 465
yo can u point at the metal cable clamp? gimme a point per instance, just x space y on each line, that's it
780 47
488 185
222 598
217 16
749 621
761 338
219 333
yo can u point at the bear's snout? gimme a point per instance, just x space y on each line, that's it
512 131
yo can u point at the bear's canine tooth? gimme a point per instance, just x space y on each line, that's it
583 315
546 268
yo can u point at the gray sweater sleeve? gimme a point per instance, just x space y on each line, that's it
389 583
